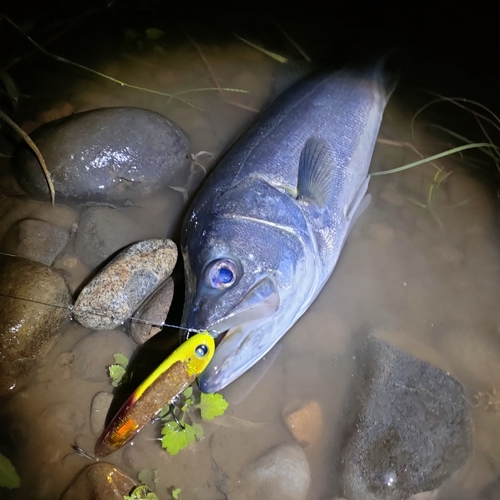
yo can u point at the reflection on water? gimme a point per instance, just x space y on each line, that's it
420 271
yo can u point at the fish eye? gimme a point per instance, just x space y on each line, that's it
201 351
221 273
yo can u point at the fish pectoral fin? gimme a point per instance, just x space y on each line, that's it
359 203
316 172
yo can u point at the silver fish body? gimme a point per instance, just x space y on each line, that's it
266 229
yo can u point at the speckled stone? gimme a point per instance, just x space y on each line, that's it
99 481
151 313
118 290
28 326
111 155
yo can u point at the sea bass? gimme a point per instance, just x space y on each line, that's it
265 232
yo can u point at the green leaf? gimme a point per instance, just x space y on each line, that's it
8 475
159 49
175 438
154 34
141 492
116 372
121 359
164 411
175 493
147 477
131 35
188 392
198 431
212 405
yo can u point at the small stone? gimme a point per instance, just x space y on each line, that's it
63 419
94 353
73 269
36 240
98 411
305 421
99 481
102 231
110 155
281 474
152 312
29 326
118 290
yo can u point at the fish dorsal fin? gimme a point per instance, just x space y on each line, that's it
315 172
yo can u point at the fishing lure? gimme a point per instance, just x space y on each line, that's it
176 373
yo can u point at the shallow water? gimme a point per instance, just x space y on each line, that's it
424 277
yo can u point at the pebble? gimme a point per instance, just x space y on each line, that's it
283 473
304 420
94 353
392 197
99 481
381 233
118 290
98 411
153 310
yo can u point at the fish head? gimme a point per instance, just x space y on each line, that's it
240 271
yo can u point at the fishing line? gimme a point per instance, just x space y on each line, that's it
104 314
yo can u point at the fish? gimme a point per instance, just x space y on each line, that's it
159 389
265 231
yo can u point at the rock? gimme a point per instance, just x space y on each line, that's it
281 474
36 240
411 429
101 232
94 353
29 327
62 419
14 210
118 290
152 312
99 481
73 269
110 155
305 421
98 411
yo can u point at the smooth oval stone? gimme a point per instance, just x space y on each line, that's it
118 290
151 313
35 302
283 473
110 155
99 481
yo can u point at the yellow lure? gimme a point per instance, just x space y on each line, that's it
160 388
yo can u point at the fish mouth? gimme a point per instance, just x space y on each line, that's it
231 332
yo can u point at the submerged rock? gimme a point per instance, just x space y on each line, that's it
94 353
110 155
118 290
36 240
98 411
281 474
101 232
304 420
411 431
151 313
99 481
29 327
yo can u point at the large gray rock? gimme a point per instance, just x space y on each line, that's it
110 155
118 290
29 326
99 481
411 429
